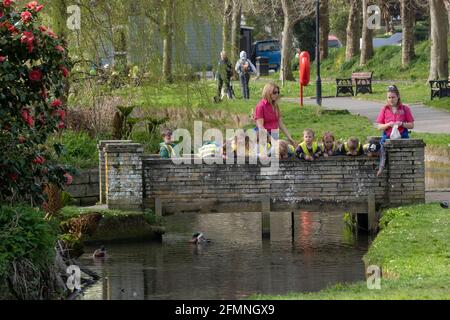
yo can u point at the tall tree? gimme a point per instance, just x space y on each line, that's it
236 30
226 25
324 28
293 11
439 44
168 34
407 14
367 35
353 29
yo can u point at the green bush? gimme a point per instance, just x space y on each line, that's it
27 253
25 234
153 219
80 149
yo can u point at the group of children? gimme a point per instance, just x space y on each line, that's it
309 149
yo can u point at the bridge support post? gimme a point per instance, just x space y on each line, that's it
371 214
123 173
158 207
102 166
265 217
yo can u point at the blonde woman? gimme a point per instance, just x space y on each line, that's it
267 112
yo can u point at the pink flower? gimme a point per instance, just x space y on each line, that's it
35 75
59 113
56 103
43 28
7 3
59 48
31 5
61 125
65 72
1 14
52 34
2 58
39 160
39 8
27 37
25 16
69 178
25 113
12 29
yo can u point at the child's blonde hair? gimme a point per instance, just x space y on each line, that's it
310 131
283 147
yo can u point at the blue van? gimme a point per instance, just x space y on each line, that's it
268 49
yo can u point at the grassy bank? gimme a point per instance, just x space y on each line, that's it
413 252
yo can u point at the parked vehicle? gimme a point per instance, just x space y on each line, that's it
334 42
268 49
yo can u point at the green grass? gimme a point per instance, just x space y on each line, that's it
413 252
73 212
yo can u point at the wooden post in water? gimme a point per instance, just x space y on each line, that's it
265 217
158 207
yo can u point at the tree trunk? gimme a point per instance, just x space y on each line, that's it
447 4
286 42
439 45
367 36
168 33
226 28
236 31
385 15
353 30
407 14
324 28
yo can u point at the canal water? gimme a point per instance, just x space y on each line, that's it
318 252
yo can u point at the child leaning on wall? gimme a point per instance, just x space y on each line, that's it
352 147
166 148
329 146
286 150
375 149
308 149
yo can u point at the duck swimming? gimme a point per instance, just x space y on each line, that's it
100 253
199 238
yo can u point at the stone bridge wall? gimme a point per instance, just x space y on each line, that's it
135 180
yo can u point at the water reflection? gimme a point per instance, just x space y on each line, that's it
237 263
437 176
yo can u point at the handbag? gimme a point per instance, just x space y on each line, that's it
395 134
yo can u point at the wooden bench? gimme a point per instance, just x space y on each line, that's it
362 81
440 88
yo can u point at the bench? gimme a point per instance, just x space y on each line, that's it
362 81
440 88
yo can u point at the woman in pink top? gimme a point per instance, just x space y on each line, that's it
395 113
267 112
